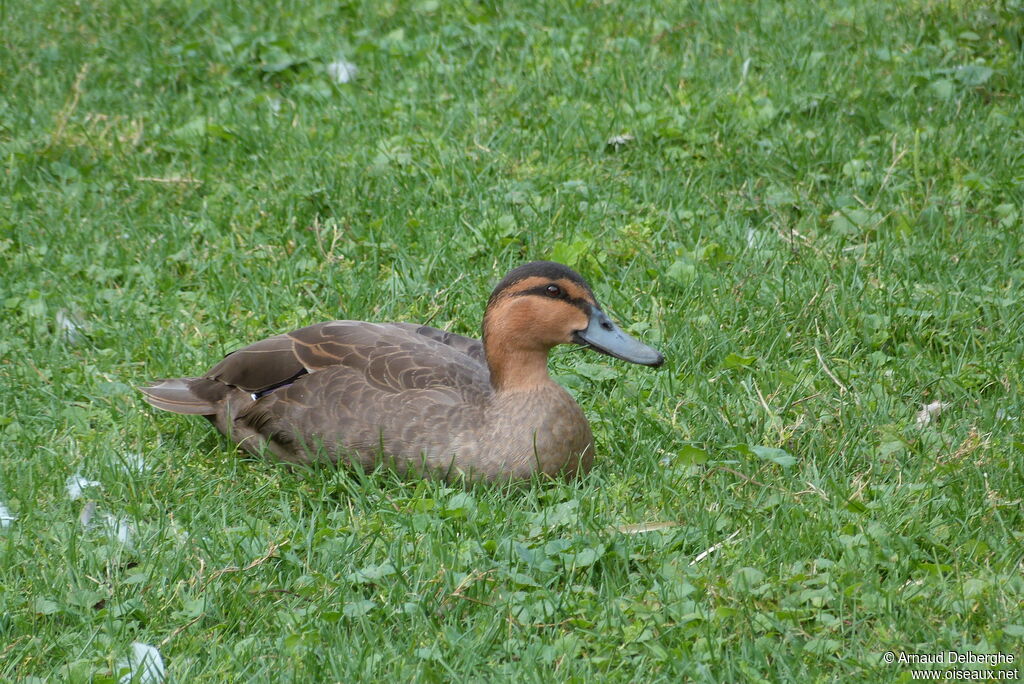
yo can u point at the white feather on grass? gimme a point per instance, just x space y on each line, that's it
69 328
76 484
132 462
929 412
342 71
6 517
145 665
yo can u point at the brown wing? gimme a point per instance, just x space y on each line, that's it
392 356
390 387
472 348
346 385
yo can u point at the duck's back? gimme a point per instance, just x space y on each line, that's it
392 356
364 389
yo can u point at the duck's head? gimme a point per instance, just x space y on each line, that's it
543 304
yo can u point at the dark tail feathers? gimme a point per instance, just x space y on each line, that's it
179 395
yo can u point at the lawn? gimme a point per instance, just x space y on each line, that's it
814 209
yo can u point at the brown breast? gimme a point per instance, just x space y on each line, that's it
538 430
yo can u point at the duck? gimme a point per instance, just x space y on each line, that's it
424 401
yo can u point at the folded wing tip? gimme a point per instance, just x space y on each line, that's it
175 395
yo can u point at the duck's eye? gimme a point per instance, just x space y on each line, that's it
553 291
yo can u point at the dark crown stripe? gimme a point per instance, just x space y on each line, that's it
542 291
542 269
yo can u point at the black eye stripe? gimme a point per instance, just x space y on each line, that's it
542 291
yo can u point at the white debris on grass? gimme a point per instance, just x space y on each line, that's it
929 412
68 327
132 462
145 665
756 239
744 71
342 71
88 510
6 517
617 141
121 530
76 483
707 552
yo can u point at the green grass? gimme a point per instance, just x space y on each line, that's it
819 221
